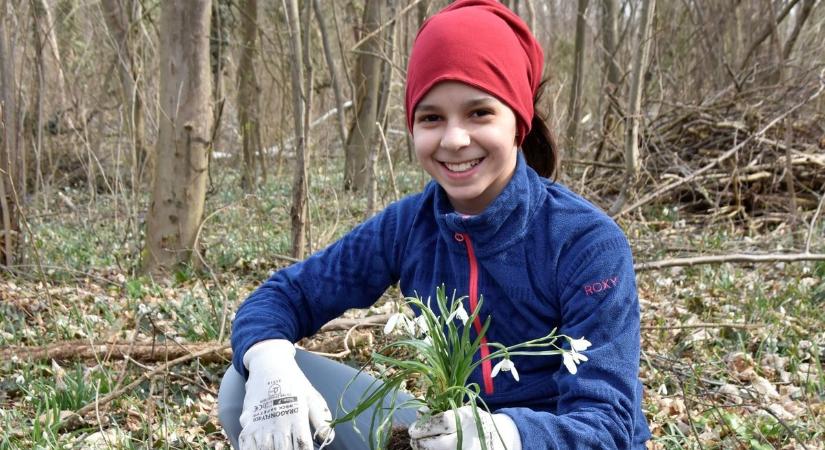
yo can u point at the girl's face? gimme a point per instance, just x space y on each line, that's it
466 140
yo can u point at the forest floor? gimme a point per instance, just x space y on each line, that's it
732 353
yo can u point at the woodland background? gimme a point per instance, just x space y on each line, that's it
159 158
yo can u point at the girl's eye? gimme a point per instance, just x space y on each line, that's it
428 118
482 113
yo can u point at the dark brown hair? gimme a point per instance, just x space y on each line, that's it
539 146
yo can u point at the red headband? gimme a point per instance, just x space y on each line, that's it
483 44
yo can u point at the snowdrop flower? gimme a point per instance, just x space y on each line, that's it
402 322
421 325
579 345
394 321
460 313
571 358
409 326
505 365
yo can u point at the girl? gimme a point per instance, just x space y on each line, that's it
491 223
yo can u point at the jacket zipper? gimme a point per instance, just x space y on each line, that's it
486 366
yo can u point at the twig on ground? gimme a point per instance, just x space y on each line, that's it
76 419
346 324
136 351
17 270
735 257
147 352
703 325
286 258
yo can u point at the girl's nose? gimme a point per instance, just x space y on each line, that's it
455 137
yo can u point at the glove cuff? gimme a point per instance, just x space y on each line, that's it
271 349
509 431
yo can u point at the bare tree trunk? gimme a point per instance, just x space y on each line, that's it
637 88
801 17
248 94
737 39
49 54
50 93
306 21
776 72
423 8
766 33
574 108
218 43
333 73
386 69
531 15
609 15
372 184
185 118
10 160
120 17
553 21
367 84
634 113
299 108
610 36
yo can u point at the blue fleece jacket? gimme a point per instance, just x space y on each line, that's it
541 257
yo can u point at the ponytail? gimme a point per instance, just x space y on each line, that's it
539 146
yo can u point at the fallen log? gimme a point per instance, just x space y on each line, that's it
148 352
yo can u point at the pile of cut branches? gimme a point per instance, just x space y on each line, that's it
782 168
750 154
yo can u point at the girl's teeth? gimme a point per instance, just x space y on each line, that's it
461 167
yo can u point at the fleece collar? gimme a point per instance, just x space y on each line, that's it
504 222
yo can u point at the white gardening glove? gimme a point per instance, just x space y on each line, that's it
280 402
439 431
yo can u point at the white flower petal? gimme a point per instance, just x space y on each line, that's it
515 372
569 362
580 344
505 365
496 368
392 323
461 313
421 324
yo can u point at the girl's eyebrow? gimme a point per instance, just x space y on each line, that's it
472 103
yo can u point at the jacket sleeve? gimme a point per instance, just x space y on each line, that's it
297 300
598 301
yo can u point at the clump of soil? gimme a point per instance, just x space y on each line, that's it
399 439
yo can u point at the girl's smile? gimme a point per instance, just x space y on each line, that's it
466 140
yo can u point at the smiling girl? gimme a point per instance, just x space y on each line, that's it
491 223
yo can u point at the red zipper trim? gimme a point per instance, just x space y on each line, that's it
486 366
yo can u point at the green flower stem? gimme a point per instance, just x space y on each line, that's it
443 364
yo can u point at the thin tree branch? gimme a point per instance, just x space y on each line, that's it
76 419
736 257
766 33
384 25
704 325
